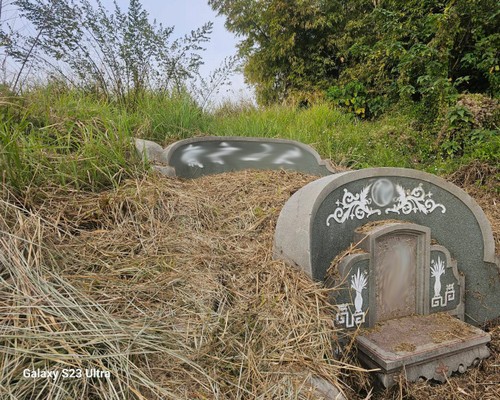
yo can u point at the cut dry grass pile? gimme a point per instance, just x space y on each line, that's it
482 182
169 285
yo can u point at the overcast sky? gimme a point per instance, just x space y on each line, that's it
186 15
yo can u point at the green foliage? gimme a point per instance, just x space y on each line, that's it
459 117
421 50
355 99
352 97
426 51
65 138
171 117
57 136
54 135
287 45
472 129
470 146
347 141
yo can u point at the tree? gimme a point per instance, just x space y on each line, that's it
287 44
423 50
388 49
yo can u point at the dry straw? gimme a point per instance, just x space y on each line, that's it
170 285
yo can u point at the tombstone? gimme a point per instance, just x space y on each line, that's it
195 157
413 264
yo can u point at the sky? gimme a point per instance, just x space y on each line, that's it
187 15
184 16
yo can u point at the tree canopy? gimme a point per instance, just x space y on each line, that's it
386 50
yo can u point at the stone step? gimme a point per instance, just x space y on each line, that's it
421 346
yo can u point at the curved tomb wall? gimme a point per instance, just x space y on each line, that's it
199 156
320 221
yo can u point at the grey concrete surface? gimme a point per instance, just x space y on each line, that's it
195 157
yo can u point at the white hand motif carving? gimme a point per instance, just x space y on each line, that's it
345 317
438 268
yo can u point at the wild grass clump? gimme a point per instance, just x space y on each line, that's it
49 325
64 138
56 136
171 117
335 135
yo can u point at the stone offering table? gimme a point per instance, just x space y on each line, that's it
430 346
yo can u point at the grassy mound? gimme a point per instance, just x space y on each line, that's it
57 136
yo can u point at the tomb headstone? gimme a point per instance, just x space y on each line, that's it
195 157
395 272
398 245
324 218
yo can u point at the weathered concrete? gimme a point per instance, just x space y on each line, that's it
429 346
324 389
200 156
319 222
149 150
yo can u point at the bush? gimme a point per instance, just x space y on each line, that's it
471 127
351 97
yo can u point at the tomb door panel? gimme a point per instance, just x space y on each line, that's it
396 275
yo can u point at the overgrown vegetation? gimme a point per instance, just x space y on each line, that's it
117 54
109 281
168 284
395 50
114 54
66 137
437 61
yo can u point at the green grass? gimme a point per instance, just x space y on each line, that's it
65 139
62 137
335 135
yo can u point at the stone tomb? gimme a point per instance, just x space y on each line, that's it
413 262
195 157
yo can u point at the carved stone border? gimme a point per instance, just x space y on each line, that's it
293 230
153 152
414 370
451 264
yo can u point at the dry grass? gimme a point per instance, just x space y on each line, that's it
449 328
482 182
170 285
